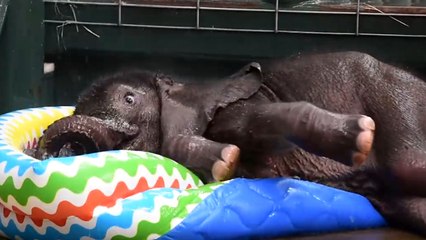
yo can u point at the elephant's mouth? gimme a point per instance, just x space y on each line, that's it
79 134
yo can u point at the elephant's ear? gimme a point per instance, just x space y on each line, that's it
188 108
240 85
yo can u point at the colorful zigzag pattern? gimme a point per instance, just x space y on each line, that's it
86 195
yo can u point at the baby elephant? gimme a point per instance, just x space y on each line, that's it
302 116
204 126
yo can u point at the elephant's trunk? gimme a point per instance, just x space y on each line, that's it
78 134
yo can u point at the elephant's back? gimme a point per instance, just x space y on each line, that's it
327 80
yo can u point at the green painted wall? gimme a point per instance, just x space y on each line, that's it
21 56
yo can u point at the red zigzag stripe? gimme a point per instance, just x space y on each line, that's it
95 199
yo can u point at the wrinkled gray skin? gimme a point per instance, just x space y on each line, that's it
175 117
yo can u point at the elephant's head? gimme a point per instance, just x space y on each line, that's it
121 111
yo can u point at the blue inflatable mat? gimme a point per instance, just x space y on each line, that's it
245 209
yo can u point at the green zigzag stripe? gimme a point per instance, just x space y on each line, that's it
77 183
168 213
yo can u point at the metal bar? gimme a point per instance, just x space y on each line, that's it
277 12
274 10
200 28
357 17
60 22
394 14
235 29
316 33
159 26
80 3
117 4
393 35
119 12
198 15
158 6
3 11
354 13
316 12
238 9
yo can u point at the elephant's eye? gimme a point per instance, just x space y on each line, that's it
129 98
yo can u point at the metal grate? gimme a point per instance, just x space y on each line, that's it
355 19
3 10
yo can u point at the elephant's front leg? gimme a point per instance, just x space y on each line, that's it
211 161
342 137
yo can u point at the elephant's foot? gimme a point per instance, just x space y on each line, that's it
211 161
343 137
364 140
224 168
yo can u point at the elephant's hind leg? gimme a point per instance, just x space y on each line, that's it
211 161
337 136
263 127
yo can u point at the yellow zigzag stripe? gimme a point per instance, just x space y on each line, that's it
27 125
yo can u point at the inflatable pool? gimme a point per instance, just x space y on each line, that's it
140 195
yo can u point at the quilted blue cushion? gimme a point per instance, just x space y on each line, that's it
245 208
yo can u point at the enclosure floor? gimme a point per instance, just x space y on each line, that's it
374 234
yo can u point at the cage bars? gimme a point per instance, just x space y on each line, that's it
276 11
